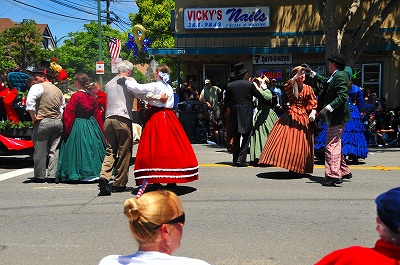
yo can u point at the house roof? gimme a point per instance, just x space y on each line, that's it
44 29
6 23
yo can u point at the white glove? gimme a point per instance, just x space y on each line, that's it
263 86
299 73
311 116
295 89
256 85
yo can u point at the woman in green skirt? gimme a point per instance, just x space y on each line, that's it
83 147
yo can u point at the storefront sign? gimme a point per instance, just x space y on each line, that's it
272 74
230 17
272 59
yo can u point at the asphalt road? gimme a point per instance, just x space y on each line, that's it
234 215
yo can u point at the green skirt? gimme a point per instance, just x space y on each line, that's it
263 123
82 153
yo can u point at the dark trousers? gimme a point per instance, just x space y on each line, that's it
240 150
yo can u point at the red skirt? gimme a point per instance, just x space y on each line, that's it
165 154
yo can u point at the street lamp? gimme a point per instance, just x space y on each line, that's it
57 40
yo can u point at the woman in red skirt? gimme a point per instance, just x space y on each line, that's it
165 154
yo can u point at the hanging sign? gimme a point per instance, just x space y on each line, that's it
114 64
272 59
100 68
226 18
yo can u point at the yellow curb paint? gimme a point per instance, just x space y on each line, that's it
377 167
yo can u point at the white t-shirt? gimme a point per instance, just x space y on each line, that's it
150 258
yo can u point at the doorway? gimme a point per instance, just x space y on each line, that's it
217 73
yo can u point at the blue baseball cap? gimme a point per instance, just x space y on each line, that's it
388 208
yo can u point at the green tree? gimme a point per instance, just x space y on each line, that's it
335 25
21 45
80 52
6 61
155 17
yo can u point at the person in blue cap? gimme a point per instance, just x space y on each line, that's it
387 247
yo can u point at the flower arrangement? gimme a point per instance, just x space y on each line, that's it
21 128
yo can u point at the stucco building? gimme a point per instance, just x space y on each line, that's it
272 37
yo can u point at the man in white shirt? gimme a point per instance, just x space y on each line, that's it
45 103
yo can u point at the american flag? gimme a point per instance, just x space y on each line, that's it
115 47
142 188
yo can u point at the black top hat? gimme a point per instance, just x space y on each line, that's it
338 57
42 70
239 69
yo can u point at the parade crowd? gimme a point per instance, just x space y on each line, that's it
89 138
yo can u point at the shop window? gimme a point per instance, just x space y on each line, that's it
371 77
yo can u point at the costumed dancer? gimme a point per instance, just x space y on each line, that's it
264 120
290 144
84 146
164 154
239 99
354 144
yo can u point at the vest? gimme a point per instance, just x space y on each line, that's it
49 104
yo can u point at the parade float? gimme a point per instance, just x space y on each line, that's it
16 126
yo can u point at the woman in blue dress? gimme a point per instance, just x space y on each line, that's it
354 144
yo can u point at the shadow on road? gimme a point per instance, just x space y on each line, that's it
11 162
290 176
178 189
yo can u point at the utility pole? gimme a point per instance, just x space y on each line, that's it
99 35
108 12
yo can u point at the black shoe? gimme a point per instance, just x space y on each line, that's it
120 189
103 186
294 174
347 176
38 180
241 164
332 181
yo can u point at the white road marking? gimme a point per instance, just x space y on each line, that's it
15 173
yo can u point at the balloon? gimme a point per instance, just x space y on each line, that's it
138 42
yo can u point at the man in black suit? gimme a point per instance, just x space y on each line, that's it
239 98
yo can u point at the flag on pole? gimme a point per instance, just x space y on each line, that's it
142 188
115 47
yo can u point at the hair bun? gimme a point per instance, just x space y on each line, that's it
131 209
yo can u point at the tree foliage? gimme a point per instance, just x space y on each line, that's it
80 51
155 17
335 26
21 45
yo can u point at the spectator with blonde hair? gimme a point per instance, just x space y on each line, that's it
156 221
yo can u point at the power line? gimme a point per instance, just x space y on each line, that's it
77 18
122 24
72 7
